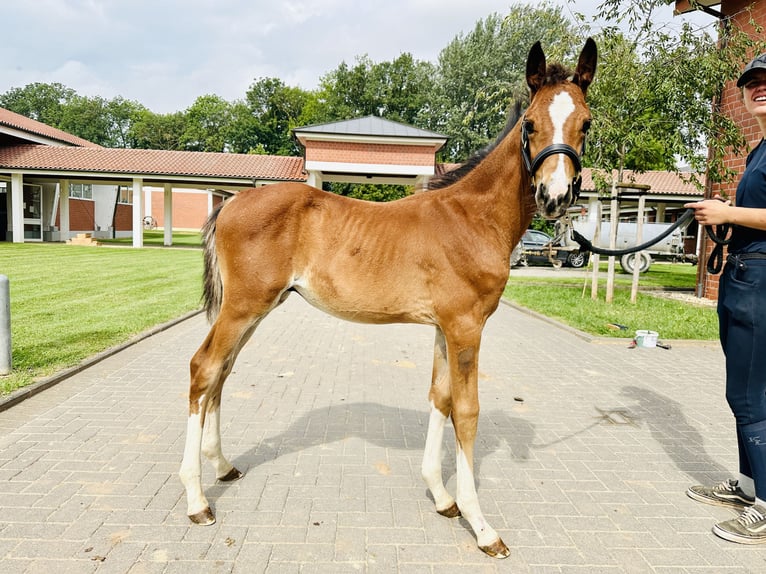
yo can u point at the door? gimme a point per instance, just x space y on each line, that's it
33 212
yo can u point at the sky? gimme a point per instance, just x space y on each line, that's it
164 54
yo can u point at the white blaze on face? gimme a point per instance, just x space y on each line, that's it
561 108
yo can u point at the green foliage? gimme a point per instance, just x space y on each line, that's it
541 224
207 124
482 73
398 90
101 121
88 300
263 122
652 98
157 131
42 102
370 192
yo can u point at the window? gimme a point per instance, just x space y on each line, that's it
81 190
125 194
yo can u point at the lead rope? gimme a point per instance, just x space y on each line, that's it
718 236
586 245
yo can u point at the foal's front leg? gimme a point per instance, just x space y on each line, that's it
464 371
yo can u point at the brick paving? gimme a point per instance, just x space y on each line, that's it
585 450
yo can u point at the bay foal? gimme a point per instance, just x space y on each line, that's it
438 258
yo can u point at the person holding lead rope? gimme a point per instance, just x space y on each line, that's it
742 326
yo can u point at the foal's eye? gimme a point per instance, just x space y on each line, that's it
529 126
586 126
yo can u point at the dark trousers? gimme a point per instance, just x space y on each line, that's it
742 322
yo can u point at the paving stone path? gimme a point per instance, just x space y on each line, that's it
585 450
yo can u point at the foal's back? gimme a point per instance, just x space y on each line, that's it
401 261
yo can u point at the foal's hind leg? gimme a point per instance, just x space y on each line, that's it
441 405
211 443
210 366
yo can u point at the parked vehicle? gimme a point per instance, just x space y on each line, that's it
539 248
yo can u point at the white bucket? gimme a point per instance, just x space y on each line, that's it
646 339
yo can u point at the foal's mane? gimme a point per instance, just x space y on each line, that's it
555 73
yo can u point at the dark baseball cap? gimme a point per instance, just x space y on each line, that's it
755 64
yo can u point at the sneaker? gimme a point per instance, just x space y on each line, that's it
727 493
748 528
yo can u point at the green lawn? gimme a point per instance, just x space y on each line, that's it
70 302
565 299
156 237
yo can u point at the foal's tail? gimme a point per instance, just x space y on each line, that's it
212 288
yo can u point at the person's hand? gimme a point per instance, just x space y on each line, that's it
711 211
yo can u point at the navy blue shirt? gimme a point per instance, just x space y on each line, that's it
751 192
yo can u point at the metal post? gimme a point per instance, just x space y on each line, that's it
5 326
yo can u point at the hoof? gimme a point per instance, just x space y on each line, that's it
231 476
450 512
497 549
204 518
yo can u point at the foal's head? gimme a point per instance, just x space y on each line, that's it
554 128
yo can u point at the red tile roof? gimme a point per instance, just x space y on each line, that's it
25 124
143 162
661 182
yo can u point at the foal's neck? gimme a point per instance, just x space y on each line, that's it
499 191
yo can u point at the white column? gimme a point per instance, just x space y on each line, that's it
17 207
315 179
64 210
594 210
167 224
421 182
660 213
138 212
209 202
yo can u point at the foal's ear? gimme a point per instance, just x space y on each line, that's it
586 65
535 68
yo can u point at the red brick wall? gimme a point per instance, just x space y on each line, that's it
189 209
123 217
732 105
82 215
387 154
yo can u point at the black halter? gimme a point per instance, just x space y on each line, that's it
553 149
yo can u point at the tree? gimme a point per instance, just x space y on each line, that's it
264 120
156 131
86 118
403 86
482 73
398 90
653 98
42 102
122 113
207 124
